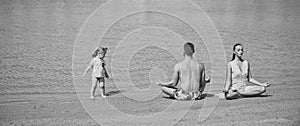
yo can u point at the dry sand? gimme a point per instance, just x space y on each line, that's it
38 37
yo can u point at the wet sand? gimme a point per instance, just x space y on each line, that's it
37 41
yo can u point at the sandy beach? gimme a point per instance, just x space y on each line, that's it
46 45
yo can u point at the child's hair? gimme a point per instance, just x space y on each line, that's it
233 55
100 49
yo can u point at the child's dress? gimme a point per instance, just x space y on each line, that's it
98 70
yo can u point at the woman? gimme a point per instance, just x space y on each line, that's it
238 73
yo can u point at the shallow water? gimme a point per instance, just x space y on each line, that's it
37 40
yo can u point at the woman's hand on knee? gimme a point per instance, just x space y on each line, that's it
266 84
159 83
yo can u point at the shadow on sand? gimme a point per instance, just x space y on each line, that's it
255 96
110 93
205 95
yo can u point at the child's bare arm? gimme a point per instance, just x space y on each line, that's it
106 73
88 68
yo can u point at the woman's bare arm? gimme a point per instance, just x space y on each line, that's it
252 80
228 81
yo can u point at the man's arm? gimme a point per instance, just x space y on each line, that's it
202 77
174 80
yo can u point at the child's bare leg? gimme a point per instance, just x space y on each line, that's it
168 91
253 90
94 86
102 87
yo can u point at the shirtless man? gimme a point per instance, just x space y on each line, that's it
188 80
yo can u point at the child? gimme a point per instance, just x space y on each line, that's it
99 71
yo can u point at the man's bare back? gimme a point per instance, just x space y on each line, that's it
188 79
191 73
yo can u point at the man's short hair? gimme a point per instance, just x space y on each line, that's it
189 48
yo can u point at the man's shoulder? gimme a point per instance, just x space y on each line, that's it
200 64
176 67
182 63
179 64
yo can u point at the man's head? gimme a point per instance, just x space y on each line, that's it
188 49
